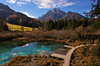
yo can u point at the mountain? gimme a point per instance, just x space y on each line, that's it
17 18
52 14
56 14
72 15
5 11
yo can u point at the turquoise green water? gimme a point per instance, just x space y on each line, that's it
8 51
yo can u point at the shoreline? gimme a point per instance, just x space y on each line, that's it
39 40
7 35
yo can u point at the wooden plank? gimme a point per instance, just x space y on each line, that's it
58 55
68 46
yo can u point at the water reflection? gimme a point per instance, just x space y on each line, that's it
40 48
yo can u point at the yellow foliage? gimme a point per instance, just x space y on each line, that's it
18 27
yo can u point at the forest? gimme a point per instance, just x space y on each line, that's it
71 24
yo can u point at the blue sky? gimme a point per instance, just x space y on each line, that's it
36 8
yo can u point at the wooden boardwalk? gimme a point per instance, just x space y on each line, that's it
58 55
68 55
68 46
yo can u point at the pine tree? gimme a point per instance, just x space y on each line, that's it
95 9
85 22
65 24
58 25
3 26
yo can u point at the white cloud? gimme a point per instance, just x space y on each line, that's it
52 3
26 13
11 1
44 3
20 3
27 0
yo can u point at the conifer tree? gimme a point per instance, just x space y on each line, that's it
1 24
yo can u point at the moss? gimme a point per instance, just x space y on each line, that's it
48 61
84 51
84 57
19 61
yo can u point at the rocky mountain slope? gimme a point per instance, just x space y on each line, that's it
56 14
18 18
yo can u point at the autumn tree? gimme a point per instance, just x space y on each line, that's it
3 26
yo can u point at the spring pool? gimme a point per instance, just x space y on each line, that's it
8 51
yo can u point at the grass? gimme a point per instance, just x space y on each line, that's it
7 35
13 27
85 57
47 61
37 60
19 61
13 42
